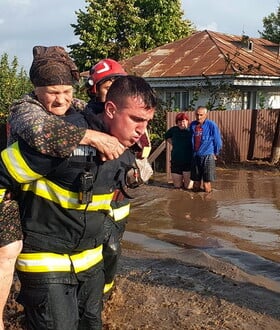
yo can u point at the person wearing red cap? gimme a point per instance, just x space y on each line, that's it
101 77
180 138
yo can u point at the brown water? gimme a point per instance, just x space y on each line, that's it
239 222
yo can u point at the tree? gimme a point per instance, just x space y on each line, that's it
13 84
271 24
122 28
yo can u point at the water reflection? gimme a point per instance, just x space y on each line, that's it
242 214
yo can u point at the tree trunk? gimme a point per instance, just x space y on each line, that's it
275 152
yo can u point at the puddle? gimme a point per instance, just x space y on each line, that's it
238 222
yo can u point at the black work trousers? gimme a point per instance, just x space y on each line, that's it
114 231
57 306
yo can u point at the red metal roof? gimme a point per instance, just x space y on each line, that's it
208 53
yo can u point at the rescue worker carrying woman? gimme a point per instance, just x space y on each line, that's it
101 77
63 204
38 122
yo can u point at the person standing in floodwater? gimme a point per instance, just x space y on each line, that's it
207 143
179 136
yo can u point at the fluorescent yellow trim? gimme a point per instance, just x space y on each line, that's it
53 262
2 194
108 287
65 198
121 212
17 166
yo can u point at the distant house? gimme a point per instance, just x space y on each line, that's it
220 70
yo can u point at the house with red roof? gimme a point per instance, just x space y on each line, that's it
219 70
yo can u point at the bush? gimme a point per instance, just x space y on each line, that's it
14 83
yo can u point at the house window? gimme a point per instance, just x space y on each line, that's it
249 100
185 100
176 100
168 100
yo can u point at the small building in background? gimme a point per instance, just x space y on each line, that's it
222 71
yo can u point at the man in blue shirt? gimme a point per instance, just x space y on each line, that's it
207 143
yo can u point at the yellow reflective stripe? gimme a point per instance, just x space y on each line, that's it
43 262
65 198
2 194
17 166
108 287
86 259
53 262
121 212
146 152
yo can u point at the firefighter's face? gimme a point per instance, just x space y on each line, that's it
129 122
56 99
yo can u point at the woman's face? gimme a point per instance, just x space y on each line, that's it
183 124
56 99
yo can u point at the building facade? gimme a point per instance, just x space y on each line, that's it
221 71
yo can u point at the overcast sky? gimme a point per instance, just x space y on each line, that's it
26 23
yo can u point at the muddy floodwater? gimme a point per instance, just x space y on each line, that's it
238 223
194 260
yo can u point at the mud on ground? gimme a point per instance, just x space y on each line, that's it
156 292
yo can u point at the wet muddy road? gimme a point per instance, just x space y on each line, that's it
239 222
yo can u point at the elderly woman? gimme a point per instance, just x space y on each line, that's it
179 136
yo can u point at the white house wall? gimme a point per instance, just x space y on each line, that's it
250 98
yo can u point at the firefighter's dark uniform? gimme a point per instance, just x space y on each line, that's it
116 220
61 265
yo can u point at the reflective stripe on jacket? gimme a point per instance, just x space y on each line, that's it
52 217
16 165
52 262
2 194
67 199
119 213
120 206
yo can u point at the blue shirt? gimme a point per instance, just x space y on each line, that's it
211 142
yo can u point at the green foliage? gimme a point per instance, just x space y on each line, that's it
120 29
157 127
13 84
271 24
262 100
164 23
80 92
219 94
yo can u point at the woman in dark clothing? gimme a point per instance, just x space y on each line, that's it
179 136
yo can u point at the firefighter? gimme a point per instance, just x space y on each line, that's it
30 119
101 77
58 197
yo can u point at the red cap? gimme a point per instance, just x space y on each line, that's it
104 70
